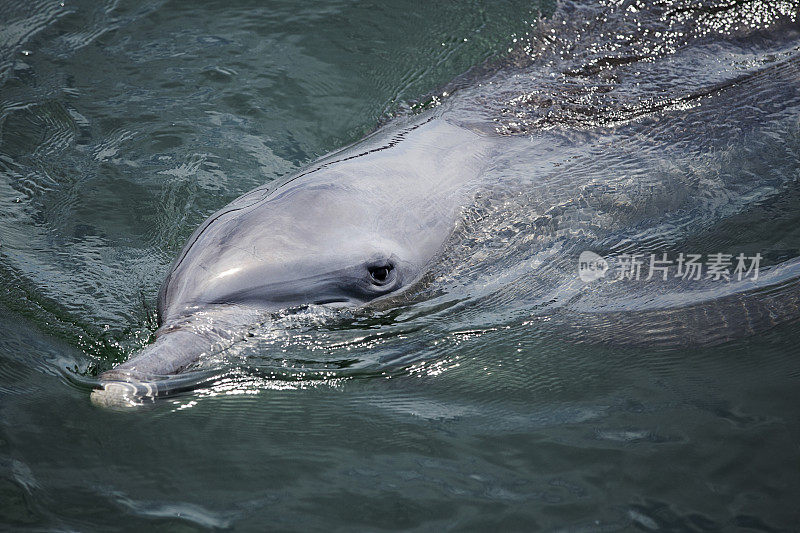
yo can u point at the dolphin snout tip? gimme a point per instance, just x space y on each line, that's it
122 394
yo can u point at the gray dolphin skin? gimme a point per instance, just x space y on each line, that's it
360 226
515 148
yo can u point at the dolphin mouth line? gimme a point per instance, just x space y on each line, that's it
329 301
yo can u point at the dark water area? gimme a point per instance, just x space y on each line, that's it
509 394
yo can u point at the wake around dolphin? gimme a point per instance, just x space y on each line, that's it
378 221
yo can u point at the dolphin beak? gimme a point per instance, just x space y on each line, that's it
158 370
151 373
124 394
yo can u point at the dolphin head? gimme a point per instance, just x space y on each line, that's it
350 231
321 243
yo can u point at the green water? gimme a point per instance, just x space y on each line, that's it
123 125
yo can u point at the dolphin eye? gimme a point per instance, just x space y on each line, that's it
380 273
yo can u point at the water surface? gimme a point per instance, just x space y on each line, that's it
123 125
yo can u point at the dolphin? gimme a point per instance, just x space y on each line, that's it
359 226
368 223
